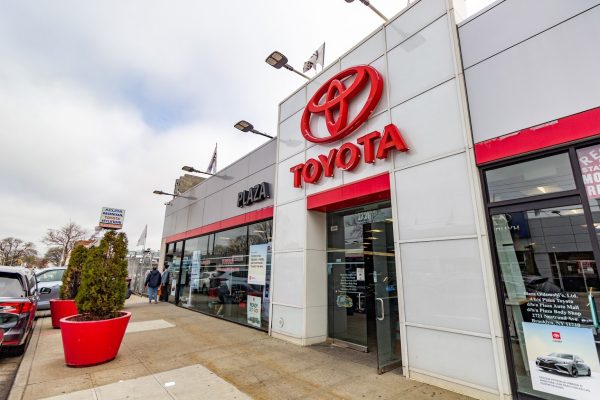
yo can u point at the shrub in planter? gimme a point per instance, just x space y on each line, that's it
66 306
94 336
72 277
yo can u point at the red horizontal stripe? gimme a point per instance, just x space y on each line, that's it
376 188
244 219
563 130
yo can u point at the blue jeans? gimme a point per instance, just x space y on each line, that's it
152 294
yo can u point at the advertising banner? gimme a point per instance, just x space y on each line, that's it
254 308
111 218
195 272
173 286
589 162
563 360
194 275
257 267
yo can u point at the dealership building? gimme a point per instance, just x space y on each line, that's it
432 199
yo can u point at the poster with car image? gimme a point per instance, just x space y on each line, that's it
253 310
563 360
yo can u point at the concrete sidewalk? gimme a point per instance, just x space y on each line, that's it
173 353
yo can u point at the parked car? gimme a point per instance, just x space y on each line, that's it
49 282
564 363
18 304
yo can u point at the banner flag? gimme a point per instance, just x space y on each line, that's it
318 57
212 166
142 240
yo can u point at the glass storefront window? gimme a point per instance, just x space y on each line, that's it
191 284
589 164
547 254
550 280
542 176
217 279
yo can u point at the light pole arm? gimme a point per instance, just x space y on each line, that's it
262 134
376 11
290 68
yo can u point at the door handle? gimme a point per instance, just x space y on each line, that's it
382 310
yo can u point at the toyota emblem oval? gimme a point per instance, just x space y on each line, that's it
333 99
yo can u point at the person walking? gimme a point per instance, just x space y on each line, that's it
152 283
166 275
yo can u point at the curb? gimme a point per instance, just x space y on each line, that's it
22 376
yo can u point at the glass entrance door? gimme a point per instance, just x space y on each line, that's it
362 289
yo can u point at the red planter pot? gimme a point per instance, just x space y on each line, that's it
88 343
60 309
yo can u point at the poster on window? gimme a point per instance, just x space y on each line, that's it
173 286
257 267
195 271
589 162
253 310
563 360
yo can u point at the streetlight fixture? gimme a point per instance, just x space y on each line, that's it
174 195
187 168
368 4
277 60
246 126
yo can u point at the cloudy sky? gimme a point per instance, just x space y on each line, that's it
103 102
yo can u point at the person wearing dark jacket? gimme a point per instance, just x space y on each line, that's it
152 283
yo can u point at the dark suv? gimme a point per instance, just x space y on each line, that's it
18 304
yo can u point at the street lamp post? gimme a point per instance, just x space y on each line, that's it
246 126
277 60
173 194
187 168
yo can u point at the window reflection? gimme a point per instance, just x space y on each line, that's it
215 274
531 178
550 277
589 164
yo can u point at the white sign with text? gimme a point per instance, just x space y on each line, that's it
257 267
563 360
253 310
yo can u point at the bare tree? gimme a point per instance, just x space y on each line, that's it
65 238
34 261
53 255
14 251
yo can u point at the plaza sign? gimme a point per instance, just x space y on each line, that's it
253 195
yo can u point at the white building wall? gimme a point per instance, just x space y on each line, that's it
215 199
449 318
529 62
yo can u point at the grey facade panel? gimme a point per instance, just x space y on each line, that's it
552 75
511 22
216 198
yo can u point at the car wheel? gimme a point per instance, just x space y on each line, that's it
574 372
589 372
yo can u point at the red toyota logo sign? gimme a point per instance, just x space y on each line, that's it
333 98
556 335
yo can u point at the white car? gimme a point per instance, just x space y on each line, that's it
49 282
